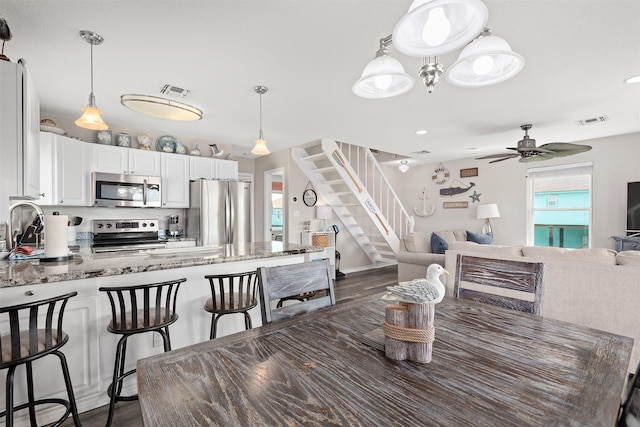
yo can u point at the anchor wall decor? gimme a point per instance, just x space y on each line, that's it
424 211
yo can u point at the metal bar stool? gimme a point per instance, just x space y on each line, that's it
26 343
231 293
135 310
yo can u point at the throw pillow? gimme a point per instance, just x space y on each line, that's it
483 239
438 244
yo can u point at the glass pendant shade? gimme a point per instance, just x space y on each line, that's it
485 61
161 107
383 77
260 149
91 119
436 27
403 166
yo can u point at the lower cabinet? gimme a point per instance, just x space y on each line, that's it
91 349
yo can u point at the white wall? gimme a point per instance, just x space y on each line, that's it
615 162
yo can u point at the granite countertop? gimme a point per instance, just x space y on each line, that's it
87 265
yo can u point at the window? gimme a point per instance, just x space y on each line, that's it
559 201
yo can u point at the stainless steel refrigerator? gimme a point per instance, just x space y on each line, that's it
219 212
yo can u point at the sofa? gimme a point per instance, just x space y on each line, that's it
598 288
415 252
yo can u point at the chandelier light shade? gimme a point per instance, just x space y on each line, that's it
383 77
91 117
436 27
403 166
485 61
161 107
260 147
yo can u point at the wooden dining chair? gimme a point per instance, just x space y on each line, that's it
629 415
517 285
283 282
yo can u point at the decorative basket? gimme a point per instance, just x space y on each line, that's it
320 240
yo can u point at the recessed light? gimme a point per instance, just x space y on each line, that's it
421 132
633 79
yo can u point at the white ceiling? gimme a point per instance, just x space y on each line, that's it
310 52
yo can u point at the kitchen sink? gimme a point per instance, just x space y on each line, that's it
182 251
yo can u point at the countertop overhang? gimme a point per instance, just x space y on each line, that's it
86 265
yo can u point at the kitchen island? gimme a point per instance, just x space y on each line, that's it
91 349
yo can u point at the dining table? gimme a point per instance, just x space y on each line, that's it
490 366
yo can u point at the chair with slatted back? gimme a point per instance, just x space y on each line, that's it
629 415
35 331
135 310
517 285
230 294
296 279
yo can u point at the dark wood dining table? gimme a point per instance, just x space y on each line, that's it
490 367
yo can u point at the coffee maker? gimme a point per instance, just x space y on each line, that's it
173 226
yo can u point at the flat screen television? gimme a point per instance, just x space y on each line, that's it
633 208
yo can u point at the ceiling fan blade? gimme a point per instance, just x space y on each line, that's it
504 158
495 156
562 149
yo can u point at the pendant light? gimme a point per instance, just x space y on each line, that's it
90 118
485 61
260 149
404 166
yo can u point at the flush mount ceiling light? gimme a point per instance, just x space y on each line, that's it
403 166
260 149
91 116
633 79
161 107
436 27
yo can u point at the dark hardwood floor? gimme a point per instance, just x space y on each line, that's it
355 285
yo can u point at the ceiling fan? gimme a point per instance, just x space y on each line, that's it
528 152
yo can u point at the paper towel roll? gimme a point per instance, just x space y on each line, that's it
55 236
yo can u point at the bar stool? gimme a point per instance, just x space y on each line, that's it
231 293
26 343
136 310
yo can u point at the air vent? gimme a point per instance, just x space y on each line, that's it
592 121
168 89
421 152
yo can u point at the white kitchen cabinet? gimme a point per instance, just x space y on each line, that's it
64 171
125 161
210 168
19 135
82 326
174 170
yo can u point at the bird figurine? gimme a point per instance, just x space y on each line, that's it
430 289
5 36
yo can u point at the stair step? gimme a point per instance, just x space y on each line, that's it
313 157
387 253
343 193
323 170
335 181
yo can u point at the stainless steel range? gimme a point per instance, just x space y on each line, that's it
114 235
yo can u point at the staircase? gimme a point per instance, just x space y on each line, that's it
351 181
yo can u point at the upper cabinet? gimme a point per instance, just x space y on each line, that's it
64 177
19 135
126 161
175 180
210 168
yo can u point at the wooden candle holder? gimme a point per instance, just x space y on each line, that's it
409 331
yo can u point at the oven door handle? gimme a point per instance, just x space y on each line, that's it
145 189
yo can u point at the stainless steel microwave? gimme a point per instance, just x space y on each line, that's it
133 191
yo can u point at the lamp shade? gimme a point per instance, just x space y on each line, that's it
485 61
436 27
161 107
260 149
383 77
91 119
487 211
323 212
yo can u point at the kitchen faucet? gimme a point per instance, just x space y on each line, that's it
16 229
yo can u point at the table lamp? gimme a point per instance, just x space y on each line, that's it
485 212
324 213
